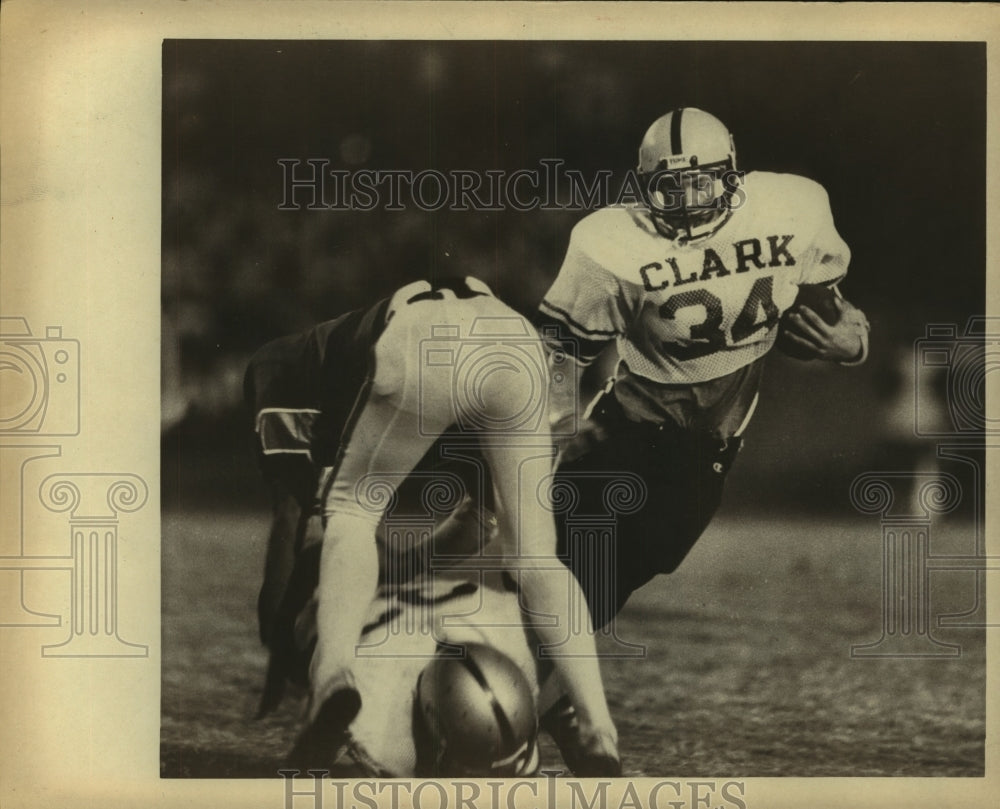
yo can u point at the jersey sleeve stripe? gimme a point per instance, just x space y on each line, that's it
567 319
555 334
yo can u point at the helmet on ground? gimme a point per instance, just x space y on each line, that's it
475 716
687 171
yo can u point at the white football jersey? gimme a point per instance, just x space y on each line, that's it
689 313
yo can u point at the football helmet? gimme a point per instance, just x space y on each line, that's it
687 172
475 716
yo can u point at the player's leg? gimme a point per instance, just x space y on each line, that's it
520 461
683 477
383 447
348 579
392 430
601 456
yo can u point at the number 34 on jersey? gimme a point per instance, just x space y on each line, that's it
690 313
726 314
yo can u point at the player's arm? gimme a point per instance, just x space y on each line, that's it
579 317
825 264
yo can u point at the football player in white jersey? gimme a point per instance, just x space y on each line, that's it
364 398
689 285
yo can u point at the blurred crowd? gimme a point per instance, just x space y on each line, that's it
237 270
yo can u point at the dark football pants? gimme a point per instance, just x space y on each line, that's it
642 494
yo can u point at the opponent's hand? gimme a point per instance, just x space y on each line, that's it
842 342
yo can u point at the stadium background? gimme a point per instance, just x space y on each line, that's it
894 131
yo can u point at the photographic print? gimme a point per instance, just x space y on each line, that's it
304 180
413 404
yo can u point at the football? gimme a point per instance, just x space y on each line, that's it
820 299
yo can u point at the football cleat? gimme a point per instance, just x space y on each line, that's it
326 733
597 758
687 172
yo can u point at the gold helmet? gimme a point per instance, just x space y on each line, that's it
475 716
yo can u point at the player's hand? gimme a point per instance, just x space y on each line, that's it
842 342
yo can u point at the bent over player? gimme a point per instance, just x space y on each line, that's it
363 398
691 286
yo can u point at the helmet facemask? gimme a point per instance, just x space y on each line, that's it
689 203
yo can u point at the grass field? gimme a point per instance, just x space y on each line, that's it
747 669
